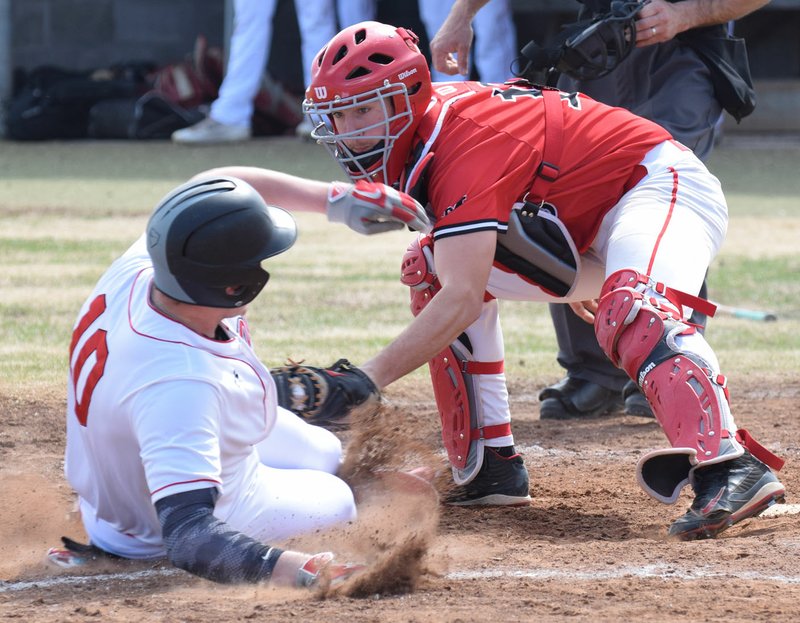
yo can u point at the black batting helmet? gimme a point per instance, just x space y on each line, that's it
211 234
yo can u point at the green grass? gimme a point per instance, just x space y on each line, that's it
758 182
768 283
68 209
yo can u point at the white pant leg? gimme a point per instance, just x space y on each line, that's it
247 61
486 338
294 491
433 13
278 504
317 22
673 241
284 503
670 225
294 443
495 41
355 11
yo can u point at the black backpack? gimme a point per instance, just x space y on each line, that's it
54 103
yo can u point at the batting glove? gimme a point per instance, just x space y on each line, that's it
371 208
323 568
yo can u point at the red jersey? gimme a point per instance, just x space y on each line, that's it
480 146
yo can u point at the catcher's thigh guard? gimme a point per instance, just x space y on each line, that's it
637 325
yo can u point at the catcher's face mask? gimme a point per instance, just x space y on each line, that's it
361 131
375 68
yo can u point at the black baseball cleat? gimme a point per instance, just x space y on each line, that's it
575 398
501 481
727 493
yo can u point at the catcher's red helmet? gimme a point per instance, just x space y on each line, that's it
366 63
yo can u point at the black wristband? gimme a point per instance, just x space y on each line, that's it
270 560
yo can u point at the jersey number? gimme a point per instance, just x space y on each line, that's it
511 93
95 343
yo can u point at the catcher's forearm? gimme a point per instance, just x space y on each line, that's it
438 325
463 264
290 192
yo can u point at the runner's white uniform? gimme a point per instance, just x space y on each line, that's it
156 409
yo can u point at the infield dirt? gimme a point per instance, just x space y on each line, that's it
591 546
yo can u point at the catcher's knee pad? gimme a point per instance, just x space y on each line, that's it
637 326
460 410
417 273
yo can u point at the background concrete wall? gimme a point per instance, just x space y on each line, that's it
84 34
5 57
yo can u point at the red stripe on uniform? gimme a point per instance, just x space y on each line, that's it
490 432
666 222
185 482
483 367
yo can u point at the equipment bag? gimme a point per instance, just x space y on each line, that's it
54 103
151 116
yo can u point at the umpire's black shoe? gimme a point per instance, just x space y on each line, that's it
727 493
635 402
574 398
501 481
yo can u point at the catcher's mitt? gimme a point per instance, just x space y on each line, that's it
324 396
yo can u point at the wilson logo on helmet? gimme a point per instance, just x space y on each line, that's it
406 74
321 92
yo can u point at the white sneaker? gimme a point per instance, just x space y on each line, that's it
208 132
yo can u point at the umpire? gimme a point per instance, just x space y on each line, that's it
684 70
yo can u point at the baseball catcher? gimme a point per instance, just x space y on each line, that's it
639 208
324 396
